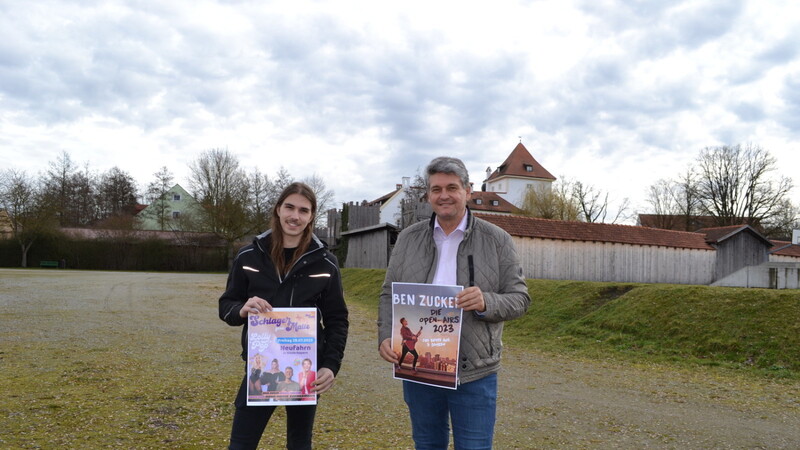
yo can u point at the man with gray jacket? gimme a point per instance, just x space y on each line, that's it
456 248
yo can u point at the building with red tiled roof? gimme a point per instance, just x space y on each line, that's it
535 227
491 203
784 251
518 173
734 256
678 222
554 249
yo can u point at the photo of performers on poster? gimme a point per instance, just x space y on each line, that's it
426 331
281 357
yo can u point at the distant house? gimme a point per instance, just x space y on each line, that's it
518 173
178 211
390 203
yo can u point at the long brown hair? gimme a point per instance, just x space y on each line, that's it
276 248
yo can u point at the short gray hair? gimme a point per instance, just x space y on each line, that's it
450 166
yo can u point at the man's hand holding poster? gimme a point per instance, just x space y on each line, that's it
282 357
426 331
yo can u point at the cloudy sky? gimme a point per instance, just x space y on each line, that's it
616 94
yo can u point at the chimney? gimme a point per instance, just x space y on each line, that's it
796 237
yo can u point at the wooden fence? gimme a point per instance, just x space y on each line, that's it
602 261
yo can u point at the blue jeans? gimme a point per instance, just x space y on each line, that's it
471 408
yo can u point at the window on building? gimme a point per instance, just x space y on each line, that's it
495 202
176 214
478 201
176 197
528 168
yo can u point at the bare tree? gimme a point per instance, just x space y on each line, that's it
662 198
687 198
780 226
594 206
555 202
735 186
414 206
222 189
262 193
31 214
324 196
282 179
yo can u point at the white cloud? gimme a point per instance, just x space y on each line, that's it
614 93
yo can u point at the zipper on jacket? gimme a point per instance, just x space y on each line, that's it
281 280
298 261
491 344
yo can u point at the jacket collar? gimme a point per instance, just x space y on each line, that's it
470 220
264 240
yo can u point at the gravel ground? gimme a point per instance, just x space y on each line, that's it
549 401
545 400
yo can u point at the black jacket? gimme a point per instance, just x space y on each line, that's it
314 281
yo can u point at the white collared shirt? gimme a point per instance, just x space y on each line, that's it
447 249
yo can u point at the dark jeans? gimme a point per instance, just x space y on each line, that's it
249 423
406 351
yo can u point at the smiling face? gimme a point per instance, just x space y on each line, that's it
295 214
448 197
306 365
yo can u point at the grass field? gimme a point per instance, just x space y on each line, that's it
756 331
140 360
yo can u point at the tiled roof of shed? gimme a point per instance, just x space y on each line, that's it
719 234
596 232
785 248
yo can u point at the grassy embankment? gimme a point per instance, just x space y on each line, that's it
756 330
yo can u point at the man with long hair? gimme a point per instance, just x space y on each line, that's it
287 266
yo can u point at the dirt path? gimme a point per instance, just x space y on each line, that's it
546 401
569 403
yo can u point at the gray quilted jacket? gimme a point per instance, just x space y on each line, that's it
496 271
